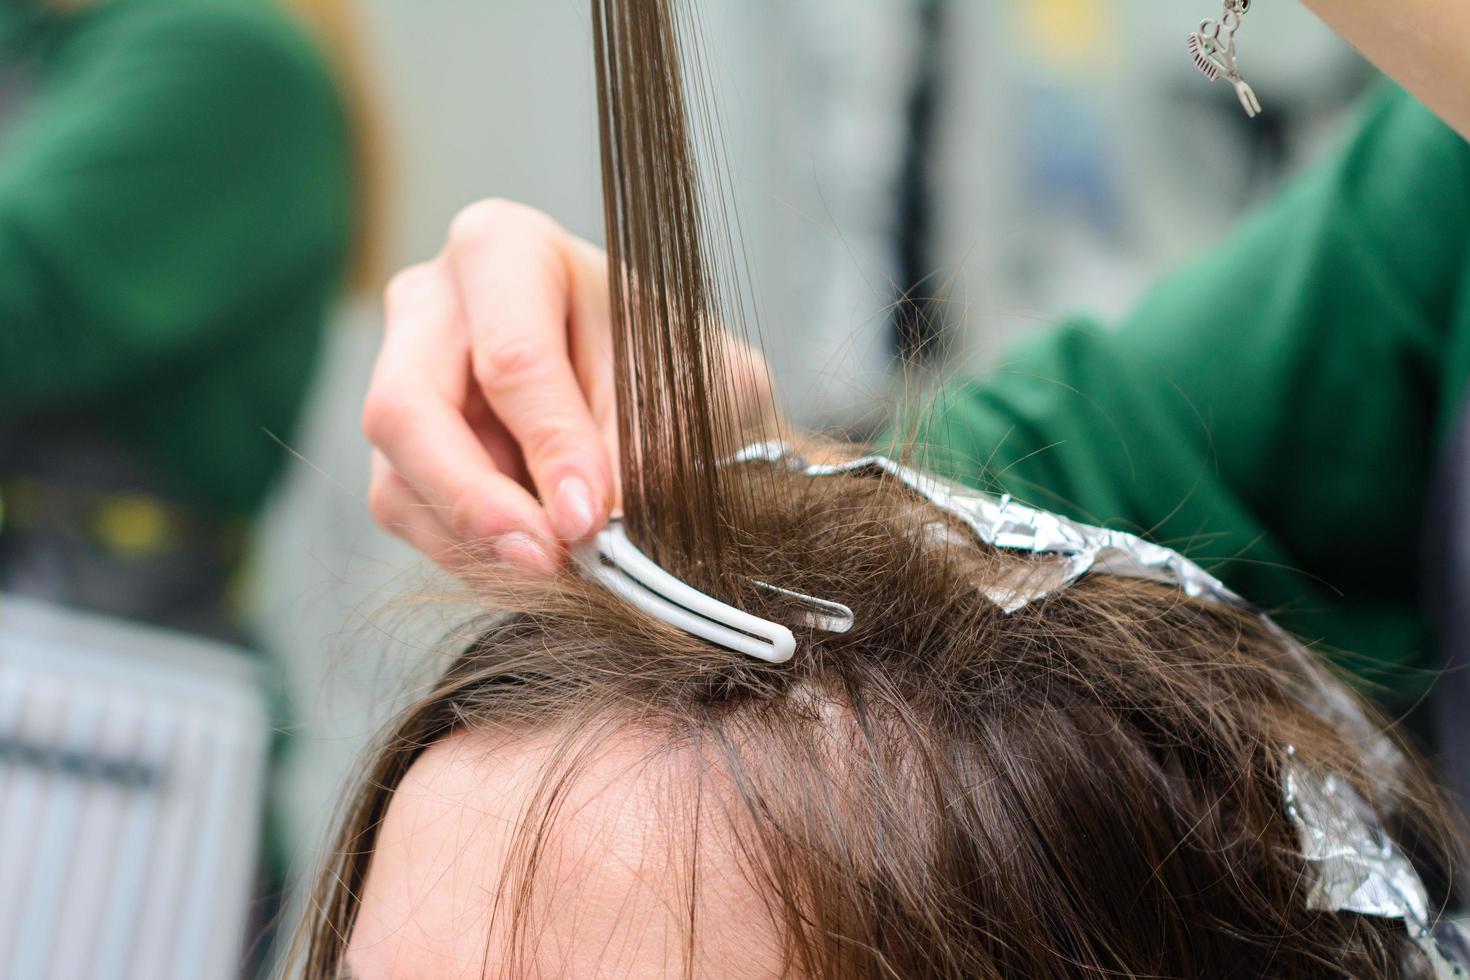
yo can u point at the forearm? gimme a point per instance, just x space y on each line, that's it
1424 45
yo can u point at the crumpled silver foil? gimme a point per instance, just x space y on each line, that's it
1080 549
1356 866
1001 522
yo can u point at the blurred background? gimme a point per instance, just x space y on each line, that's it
927 178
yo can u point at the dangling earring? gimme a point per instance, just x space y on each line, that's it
1213 48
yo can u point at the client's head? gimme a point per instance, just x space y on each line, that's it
1089 785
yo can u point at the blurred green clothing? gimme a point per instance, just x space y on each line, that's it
1274 410
174 223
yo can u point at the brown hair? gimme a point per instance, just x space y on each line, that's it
1088 786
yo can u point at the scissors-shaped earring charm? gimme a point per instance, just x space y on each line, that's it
1213 48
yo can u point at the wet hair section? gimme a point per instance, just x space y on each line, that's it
679 297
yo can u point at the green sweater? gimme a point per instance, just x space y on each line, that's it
174 220
1274 410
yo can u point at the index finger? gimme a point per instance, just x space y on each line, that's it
414 416
513 269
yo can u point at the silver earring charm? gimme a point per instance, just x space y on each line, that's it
1213 49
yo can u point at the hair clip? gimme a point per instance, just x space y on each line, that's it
821 614
612 560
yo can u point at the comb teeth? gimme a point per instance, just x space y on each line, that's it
1203 61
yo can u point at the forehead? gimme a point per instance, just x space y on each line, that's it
621 850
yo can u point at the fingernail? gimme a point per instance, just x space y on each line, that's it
519 548
572 509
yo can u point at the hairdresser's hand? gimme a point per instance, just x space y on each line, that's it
492 406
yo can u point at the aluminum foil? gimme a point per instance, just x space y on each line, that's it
1078 549
1356 866
1001 522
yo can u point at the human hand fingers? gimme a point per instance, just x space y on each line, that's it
527 288
402 511
415 415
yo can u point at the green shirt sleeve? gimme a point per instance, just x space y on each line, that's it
1274 409
177 162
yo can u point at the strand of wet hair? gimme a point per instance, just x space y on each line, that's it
678 287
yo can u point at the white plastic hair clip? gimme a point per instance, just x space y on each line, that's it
618 565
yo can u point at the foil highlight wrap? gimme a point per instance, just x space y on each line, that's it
1078 549
1357 867
1002 522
